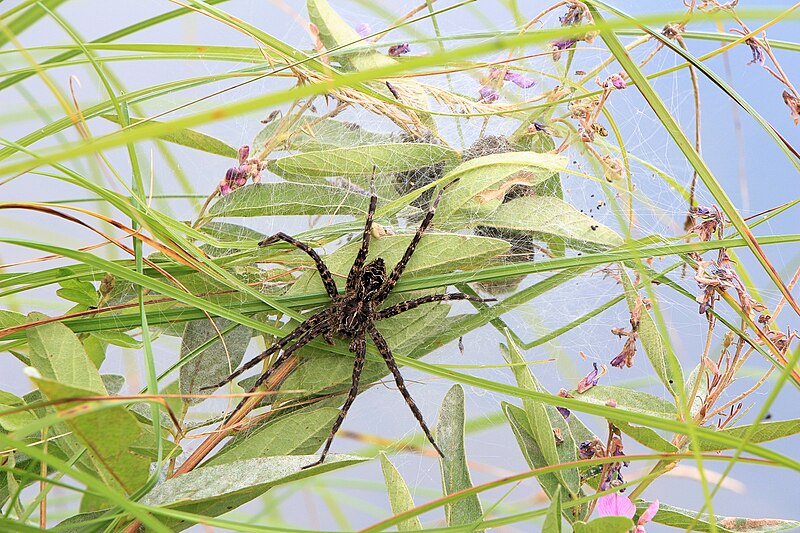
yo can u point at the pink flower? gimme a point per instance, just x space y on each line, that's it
615 504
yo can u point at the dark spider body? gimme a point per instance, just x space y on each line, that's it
352 316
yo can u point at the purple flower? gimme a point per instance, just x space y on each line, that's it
563 410
618 82
591 379
363 29
758 53
519 80
488 94
625 357
538 126
399 49
236 177
563 44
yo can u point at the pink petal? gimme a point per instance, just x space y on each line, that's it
615 504
649 513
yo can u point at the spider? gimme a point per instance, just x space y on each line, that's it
352 315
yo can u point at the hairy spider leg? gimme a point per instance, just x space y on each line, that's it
386 352
398 269
357 270
408 305
324 273
310 334
299 331
304 339
360 345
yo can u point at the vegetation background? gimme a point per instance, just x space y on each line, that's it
63 151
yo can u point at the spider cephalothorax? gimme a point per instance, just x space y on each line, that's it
352 315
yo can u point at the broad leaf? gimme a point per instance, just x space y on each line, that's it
359 161
108 435
288 198
546 217
605 524
310 134
335 32
766 431
217 360
13 421
57 354
300 432
646 436
484 182
455 472
215 490
682 518
629 400
399 496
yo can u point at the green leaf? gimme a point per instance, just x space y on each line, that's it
217 360
310 134
57 354
682 518
9 319
186 137
117 338
289 198
399 496
300 432
629 400
646 436
664 361
335 32
437 252
215 490
546 217
518 420
552 521
484 181
699 372
766 431
82 292
542 419
13 421
455 472
605 524
359 161
107 434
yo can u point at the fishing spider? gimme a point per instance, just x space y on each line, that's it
352 315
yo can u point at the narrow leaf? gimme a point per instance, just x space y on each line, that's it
399 496
187 137
455 472
664 361
552 521
682 518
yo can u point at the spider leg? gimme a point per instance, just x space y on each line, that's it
324 273
386 352
398 269
360 345
408 305
299 331
354 277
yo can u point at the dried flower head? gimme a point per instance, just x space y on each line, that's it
591 379
488 94
707 221
758 53
399 49
613 169
793 103
563 410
